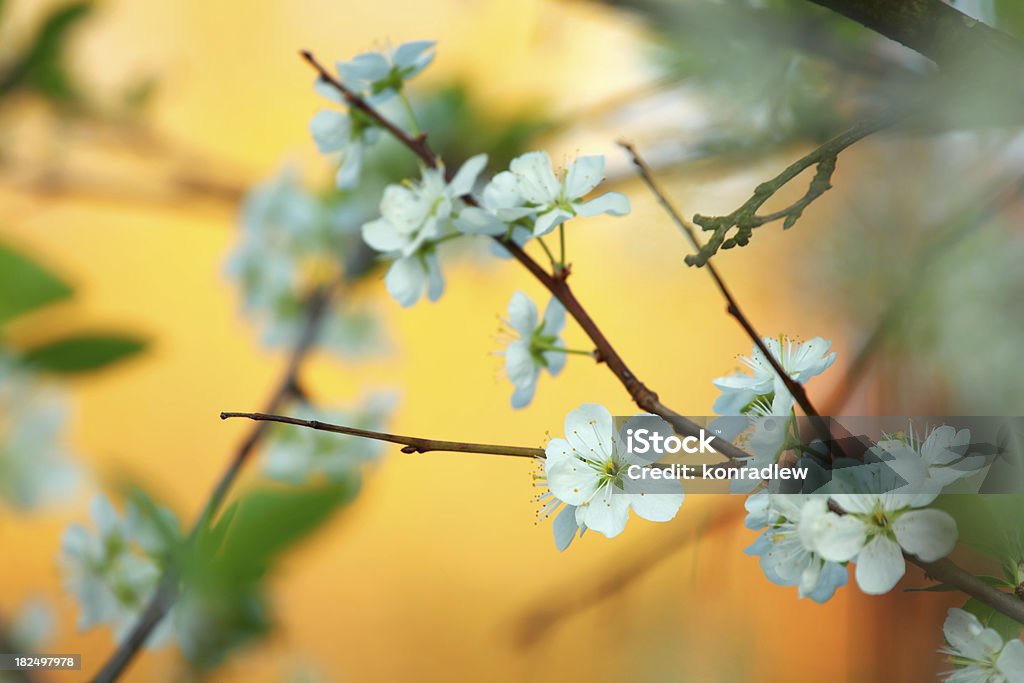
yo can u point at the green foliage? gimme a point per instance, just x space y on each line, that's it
991 618
988 523
25 285
83 353
223 604
42 64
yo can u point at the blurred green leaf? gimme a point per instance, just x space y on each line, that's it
988 523
43 65
25 285
83 353
223 604
988 616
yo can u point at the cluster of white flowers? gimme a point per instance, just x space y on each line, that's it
930 465
787 558
415 219
764 393
980 653
114 571
875 531
536 346
587 471
375 76
35 467
292 241
298 456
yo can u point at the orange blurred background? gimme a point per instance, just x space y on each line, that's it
438 570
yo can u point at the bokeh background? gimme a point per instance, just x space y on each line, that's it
128 185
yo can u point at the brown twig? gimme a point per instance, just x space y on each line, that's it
796 389
411 444
166 593
643 396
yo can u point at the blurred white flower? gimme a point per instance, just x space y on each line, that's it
292 241
588 469
35 467
765 392
381 75
348 134
114 572
980 652
535 346
297 455
933 464
415 218
786 558
531 189
32 626
875 532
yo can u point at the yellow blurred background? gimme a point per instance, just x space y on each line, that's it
438 570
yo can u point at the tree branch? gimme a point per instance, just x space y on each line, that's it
745 218
167 589
412 444
643 396
932 28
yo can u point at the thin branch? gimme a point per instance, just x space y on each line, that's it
796 389
557 285
745 218
932 28
565 601
412 444
167 590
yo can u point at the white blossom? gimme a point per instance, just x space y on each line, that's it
875 532
415 218
785 555
297 455
534 347
381 75
980 652
742 392
35 465
588 469
347 134
531 190
114 571
292 241
933 464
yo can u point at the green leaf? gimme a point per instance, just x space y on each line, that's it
223 569
43 65
991 618
988 523
83 353
25 285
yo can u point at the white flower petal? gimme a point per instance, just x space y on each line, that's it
381 235
1011 661
554 317
475 221
464 180
929 534
564 527
405 280
880 565
364 69
412 53
522 314
555 360
573 481
519 364
583 176
611 203
589 429
606 513
537 183
331 130
548 221
836 538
